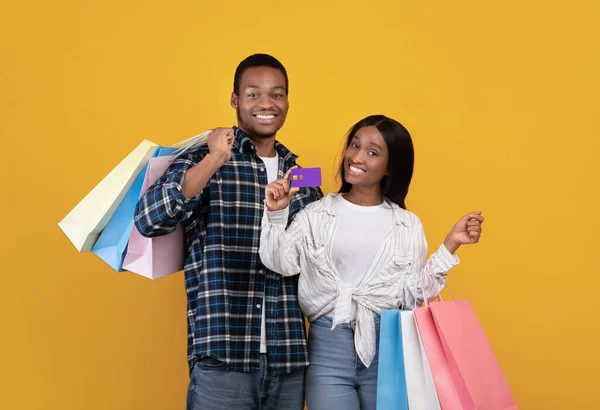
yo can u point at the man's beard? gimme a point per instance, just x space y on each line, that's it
251 132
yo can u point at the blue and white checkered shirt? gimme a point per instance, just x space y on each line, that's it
224 277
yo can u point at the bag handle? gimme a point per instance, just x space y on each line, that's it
439 293
190 144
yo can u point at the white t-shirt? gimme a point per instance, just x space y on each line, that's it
272 166
359 234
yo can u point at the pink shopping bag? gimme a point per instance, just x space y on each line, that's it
162 255
438 363
463 366
478 377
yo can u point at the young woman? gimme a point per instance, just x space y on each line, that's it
357 252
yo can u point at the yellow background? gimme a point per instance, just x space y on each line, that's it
501 99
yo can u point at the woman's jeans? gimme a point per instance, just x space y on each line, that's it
336 378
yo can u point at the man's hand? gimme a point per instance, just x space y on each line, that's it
220 141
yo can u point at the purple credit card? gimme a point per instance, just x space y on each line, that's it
305 177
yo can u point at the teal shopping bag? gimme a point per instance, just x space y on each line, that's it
391 378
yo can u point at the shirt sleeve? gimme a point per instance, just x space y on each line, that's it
281 248
433 271
163 206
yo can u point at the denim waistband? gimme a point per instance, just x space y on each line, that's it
327 321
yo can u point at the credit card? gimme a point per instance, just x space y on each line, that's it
305 177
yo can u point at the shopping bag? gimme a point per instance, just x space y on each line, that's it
436 358
159 256
391 381
419 382
88 218
474 368
112 243
464 369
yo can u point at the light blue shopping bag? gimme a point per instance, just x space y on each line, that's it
111 246
391 378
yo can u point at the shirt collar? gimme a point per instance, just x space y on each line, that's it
244 145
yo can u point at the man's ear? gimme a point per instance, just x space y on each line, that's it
234 100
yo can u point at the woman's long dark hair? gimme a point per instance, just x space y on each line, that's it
401 160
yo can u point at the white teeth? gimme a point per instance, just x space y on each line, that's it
356 170
265 117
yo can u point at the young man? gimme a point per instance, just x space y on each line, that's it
246 334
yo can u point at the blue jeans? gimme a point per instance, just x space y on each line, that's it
336 378
213 386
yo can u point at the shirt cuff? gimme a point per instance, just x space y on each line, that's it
445 259
175 191
278 217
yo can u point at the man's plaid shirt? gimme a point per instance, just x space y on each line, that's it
224 277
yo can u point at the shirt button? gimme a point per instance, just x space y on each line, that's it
262 169
258 306
261 271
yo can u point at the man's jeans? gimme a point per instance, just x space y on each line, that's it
214 387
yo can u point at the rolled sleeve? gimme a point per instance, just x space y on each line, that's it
278 217
163 206
444 259
174 189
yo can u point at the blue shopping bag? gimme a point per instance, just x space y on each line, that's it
391 378
111 246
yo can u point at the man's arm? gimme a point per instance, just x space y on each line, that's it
173 198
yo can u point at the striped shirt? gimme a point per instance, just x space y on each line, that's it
224 278
393 279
